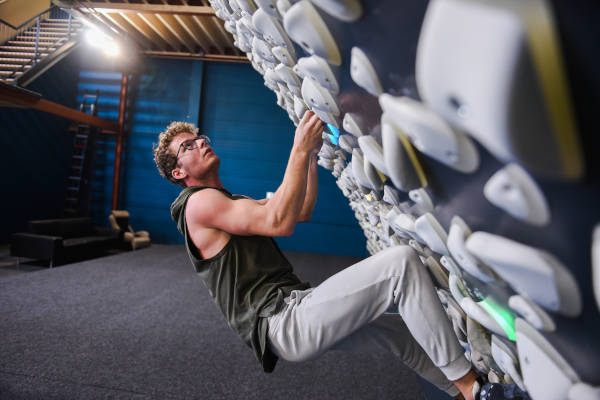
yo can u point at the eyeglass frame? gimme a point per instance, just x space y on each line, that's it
194 140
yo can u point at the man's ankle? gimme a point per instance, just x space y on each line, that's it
465 385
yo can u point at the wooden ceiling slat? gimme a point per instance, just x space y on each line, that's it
159 29
193 32
218 33
139 24
207 34
131 31
175 28
228 37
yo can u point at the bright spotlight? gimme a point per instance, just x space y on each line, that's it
101 41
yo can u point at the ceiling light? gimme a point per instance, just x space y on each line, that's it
100 40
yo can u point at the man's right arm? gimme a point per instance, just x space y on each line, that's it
212 209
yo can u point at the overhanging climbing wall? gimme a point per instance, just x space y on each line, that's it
464 129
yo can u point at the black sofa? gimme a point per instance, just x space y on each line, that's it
65 240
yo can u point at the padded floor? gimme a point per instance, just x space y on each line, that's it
141 325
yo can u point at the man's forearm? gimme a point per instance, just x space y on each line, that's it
288 200
312 188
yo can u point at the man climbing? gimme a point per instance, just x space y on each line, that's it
229 241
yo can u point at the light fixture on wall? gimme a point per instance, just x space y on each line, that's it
98 39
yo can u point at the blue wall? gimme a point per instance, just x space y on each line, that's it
160 92
253 137
251 134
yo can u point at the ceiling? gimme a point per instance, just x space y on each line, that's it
164 28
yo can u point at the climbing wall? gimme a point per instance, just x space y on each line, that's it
464 129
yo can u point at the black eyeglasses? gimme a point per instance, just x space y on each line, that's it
191 144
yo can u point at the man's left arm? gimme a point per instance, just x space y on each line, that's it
312 187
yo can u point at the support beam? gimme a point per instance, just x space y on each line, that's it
119 146
13 96
193 56
132 8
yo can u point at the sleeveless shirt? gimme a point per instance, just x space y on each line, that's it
248 279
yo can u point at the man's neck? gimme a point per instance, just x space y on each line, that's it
212 182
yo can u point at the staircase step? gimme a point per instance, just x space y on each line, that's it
54 28
31 38
10 73
14 60
12 67
7 80
60 20
54 21
58 27
42 33
18 53
30 43
42 41
23 49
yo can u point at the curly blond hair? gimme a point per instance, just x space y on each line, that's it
164 159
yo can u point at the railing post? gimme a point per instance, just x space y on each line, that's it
69 28
37 40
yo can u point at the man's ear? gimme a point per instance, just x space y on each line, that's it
178 173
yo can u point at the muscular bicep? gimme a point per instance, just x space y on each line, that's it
212 209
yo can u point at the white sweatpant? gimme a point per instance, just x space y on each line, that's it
346 312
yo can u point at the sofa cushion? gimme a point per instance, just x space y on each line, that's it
86 240
63 227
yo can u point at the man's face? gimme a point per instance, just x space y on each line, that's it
194 156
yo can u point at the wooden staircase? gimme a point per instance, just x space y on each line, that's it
35 49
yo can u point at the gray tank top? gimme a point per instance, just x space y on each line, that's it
248 279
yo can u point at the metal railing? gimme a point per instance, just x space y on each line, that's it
53 12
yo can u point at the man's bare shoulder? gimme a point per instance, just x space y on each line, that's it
206 201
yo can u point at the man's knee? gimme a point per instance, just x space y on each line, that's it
403 252
401 259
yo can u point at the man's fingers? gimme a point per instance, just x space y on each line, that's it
314 119
306 117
